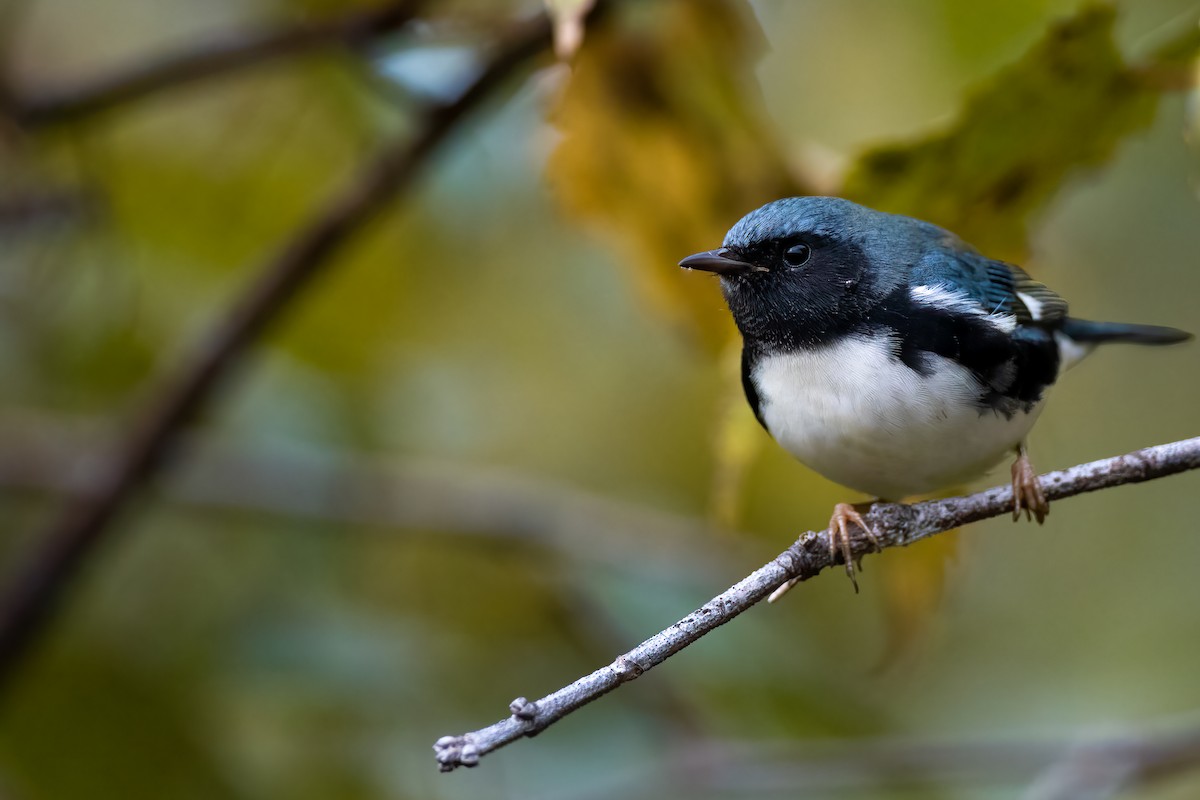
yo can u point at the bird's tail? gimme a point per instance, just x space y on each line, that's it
1086 332
1078 337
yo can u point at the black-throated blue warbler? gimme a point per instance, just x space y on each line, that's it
889 355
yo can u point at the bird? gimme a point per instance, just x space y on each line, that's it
892 357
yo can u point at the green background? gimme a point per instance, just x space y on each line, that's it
477 459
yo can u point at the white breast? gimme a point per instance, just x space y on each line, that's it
856 414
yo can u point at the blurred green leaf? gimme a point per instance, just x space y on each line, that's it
1180 50
252 653
1066 105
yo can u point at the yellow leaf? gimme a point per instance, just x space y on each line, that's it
665 145
739 440
913 583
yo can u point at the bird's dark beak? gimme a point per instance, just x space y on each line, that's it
721 262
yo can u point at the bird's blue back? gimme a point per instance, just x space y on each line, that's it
901 251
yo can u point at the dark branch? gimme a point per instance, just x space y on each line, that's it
26 210
36 588
895 525
208 60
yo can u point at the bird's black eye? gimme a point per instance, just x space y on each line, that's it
797 255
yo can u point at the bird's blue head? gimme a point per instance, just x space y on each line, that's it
806 267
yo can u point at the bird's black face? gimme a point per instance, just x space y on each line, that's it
797 288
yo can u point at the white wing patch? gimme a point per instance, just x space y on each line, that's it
949 299
1034 305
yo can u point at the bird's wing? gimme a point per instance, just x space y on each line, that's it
1035 302
999 288
991 318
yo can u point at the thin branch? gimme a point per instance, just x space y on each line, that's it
895 525
211 59
62 548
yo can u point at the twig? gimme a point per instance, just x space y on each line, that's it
895 525
208 60
36 589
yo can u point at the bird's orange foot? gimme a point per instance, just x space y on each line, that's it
1027 491
844 515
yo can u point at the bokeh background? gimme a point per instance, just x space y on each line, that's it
500 439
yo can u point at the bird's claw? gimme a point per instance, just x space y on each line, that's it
839 542
839 536
1027 490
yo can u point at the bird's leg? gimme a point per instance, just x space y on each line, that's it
839 534
1027 492
839 541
